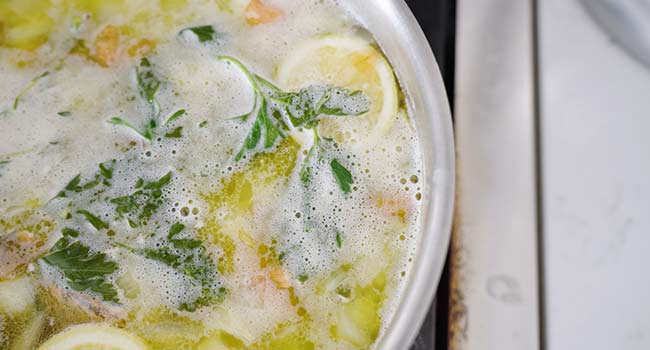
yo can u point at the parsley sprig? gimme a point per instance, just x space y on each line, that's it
342 175
83 269
148 84
139 206
103 176
188 256
203 33
276 112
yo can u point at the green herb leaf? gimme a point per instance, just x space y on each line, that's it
339 239
175 229
263 129
305 107
72 186
93 220
188 257
203 124
140 206
175 116
203 33
68 232
344 292
175 134
83 269
64 114
147 134
104 176
306 168
29 87
158 185
342 175
148 82
303 278
106 169
148 85
277 112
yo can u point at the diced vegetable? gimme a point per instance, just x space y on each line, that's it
18 249
265 168
259 13
333 281
358 321
288 336
129 285
17 295
24 24
106 45
220 340
166 330
279 277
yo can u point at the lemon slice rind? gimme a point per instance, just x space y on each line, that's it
94 336
386 115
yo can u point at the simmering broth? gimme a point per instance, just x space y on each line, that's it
200 174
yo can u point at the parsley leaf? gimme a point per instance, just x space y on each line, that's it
176 115
103 176
263 129
203 33
64 114
306 169
84 270
148 85
120 121
140 206
68 232
277 112
93 220
175 134
339 239
189 257
342 175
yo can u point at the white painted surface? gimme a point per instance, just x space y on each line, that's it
596 171
496 228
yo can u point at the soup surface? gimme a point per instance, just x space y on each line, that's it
200 174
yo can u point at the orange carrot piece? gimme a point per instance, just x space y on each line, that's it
258 13
106 45
141 48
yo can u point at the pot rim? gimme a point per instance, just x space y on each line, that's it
399 35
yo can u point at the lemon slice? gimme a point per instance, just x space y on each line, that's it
352 63
93 336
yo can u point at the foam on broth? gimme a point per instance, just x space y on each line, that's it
290 256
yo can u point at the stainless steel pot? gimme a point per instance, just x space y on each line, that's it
407 49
